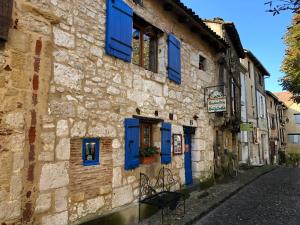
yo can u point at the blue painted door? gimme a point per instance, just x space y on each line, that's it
188 156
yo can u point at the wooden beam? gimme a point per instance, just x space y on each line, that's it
168 7
194 29
183 19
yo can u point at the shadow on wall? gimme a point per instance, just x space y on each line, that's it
127 216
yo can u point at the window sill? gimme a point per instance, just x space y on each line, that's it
94 163
149 160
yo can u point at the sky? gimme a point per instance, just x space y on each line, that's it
260 31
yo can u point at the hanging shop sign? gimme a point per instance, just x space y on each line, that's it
216 102
246 126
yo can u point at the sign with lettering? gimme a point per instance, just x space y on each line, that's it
216 105
246 126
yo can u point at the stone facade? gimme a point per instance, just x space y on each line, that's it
273 104
57 86
256 110
289 124
227 123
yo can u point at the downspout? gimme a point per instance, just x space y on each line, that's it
267 115
255 88
278 131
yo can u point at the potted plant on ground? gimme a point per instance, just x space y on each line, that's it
149 154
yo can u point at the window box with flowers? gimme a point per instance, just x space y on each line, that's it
149 155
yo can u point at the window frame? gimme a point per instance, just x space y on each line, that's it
141 26
273 124
202 62
297 121
142 127
292 142
233 101
96 161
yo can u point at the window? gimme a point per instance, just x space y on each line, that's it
146 135
233 98
262 107
5 15
146 132
271 104
297 118
202 63
294 138
252 93
144 45
273 125
249 69
260 79
90 151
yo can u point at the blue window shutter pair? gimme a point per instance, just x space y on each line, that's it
132 143
166 130
119 23
174 59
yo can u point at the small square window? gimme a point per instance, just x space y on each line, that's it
90 151
202 62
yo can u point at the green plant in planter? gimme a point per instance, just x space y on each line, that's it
293 159
149 151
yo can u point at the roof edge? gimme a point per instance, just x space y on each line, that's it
256 61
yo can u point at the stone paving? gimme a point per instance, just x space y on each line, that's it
197 207
274 199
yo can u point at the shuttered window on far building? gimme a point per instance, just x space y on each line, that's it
5 18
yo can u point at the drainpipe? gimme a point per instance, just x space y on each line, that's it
257 116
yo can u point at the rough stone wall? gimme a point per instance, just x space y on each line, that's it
57 85
24 75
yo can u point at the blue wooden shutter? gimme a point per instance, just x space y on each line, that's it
119 29
174 59
165 143
132 142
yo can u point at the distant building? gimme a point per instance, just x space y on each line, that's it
275 110
291 119
255 106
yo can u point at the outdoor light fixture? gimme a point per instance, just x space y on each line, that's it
138 111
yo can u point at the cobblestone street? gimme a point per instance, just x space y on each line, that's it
273 199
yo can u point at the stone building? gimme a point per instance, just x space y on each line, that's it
244 150
84 84
256 109
227 123
291 122
275 109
